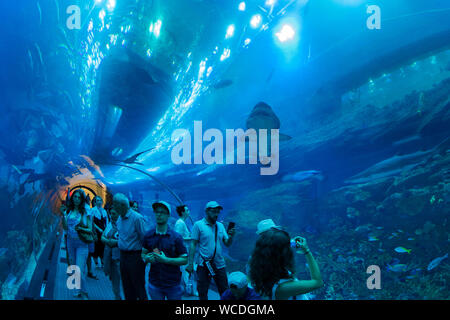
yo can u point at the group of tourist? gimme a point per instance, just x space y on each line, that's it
176 256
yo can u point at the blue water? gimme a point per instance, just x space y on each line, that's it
363 116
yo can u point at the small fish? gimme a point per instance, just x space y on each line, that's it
3 251
38 49
402 250
40 12
304 175
411 139
57 9
393 235
411 239
397 267
416 271
373 238
17 169
363 228
31 60
379 228
435 262
223 84
433 199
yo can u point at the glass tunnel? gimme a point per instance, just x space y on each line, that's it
329 117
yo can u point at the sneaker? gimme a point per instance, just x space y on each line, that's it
92 276
84 296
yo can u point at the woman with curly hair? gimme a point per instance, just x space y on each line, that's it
78 225
272 266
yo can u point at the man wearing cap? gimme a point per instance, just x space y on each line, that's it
131 230
239 289
164 249
209 234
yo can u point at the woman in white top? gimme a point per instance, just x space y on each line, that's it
272 266
78 220
181 227
111 256
100 219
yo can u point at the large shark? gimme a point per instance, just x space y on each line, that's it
263 117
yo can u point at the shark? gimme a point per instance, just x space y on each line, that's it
263 117
390 167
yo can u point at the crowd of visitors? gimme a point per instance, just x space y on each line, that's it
181 262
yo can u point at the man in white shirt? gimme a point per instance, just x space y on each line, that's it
209 235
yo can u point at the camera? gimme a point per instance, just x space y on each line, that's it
294 244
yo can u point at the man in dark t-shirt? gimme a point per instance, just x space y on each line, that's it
164 249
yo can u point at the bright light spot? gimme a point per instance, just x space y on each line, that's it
151 28
111 5
98 1
247 41
242 6
255 22
153 169
202 69
91 26
113 38
225 54
270 2
157 28
230 31
349 2
102 14
149 53
208 72
286 33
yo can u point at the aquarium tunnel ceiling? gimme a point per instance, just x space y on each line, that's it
127 84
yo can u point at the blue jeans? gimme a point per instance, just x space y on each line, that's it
171 293
77 253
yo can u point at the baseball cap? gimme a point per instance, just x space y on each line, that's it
238 278
265 225
213 204
161 203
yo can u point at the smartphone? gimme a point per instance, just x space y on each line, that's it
230 226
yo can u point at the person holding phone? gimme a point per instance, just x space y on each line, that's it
209 235
272 267
164 249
